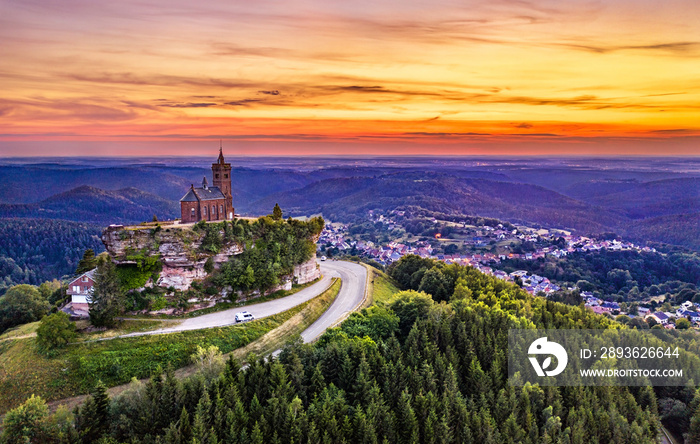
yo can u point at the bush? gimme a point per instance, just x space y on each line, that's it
209 265
20 305
682 324
159 303
131 277
31 422
55 331
209 361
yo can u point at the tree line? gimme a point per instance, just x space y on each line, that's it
621 275
422 368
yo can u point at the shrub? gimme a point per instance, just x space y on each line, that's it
131 277
55 331
683 324
209 361
26 423
21 304
159 303
209 265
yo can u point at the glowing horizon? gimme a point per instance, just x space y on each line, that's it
318 78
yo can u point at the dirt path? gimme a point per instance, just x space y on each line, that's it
30 335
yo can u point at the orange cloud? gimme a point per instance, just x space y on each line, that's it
506 74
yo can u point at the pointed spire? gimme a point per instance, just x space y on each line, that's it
221 152
205 185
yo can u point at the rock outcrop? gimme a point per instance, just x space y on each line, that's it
177 248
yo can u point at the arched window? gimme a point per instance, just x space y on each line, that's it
213 209
221 209
192 213
205 210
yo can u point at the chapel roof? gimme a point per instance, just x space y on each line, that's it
199 194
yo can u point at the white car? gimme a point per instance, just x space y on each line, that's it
323 258
244 316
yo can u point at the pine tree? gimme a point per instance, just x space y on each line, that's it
317 381
101 398
107 297
256 436
277 212
87 263
279 382
92 420
406 423
239 420
172 436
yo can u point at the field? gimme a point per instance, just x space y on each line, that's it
75 369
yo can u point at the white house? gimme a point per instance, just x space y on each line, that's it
80 289
659 317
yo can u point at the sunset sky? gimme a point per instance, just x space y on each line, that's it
97 77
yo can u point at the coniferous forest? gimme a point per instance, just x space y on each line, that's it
36 250
416 369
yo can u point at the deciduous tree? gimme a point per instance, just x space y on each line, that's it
21 304
55 331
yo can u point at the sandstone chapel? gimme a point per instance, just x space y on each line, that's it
210 203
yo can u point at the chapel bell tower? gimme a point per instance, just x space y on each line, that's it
221 172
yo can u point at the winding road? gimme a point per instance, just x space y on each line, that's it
350 296
352 293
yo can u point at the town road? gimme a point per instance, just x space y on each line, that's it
353 277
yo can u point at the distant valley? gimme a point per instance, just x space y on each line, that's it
644 200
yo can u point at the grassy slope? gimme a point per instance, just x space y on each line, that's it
290 330
381 287
75 369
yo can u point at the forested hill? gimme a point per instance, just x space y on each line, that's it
413 370
94 205
344 199
37 250
650 199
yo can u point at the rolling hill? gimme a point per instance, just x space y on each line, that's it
341 199
97 206
654 199
639 198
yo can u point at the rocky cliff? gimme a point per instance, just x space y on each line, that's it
178 249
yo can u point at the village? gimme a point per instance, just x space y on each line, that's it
487 256
666 319
490 245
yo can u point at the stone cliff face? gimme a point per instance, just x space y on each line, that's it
178 250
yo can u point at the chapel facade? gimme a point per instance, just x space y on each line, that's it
210 203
